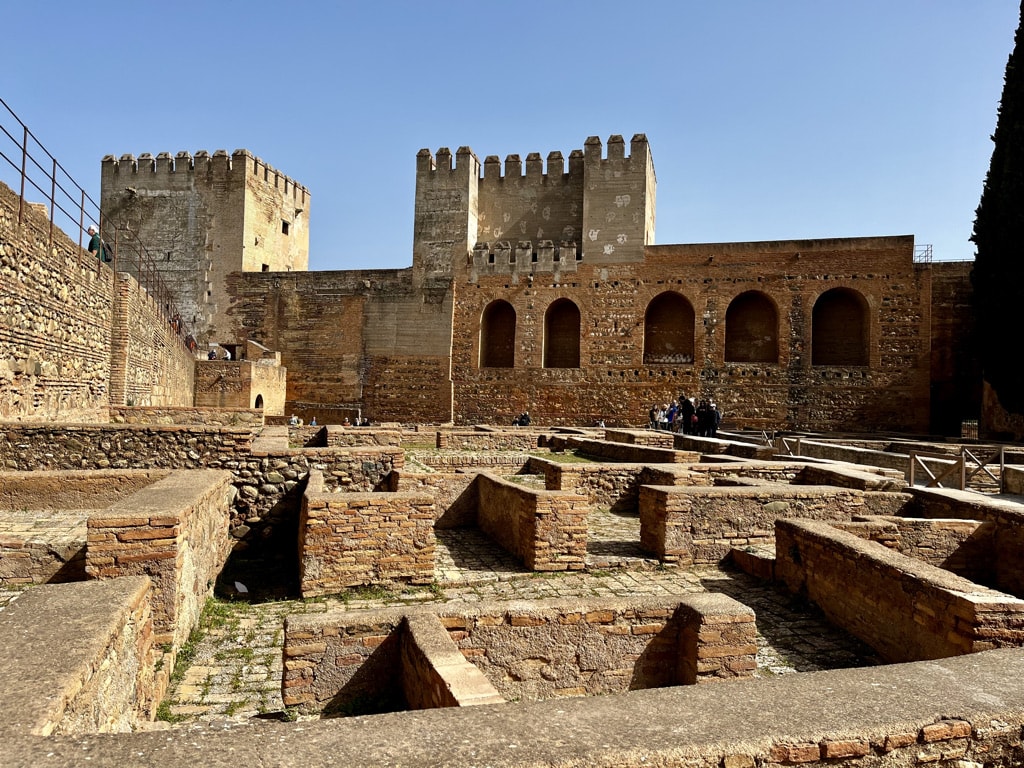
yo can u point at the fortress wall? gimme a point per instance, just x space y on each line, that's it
614 384
56 311
360 338
150 365
74 335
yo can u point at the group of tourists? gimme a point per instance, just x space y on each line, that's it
688 416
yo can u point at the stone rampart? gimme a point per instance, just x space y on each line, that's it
931 615
653 437
698 525
363 538
78 658
350 437
175 531
546 530
1013 479
535 651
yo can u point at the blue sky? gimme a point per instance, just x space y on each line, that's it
768 119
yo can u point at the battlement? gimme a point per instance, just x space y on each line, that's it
639 151
427 163
534 167
218 165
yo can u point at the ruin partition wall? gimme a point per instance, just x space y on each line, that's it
204 217
75 336
374 340
816 334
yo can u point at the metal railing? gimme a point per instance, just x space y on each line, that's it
36 172
923 253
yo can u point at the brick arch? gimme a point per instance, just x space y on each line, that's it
752 329
562 335
498 335
839 328
668 329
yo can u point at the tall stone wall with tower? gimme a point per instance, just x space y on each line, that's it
204 217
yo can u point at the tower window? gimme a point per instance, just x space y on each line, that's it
285 226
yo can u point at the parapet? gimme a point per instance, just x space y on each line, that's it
218 165
465 160
639 149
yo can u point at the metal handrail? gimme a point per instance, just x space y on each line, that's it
71 209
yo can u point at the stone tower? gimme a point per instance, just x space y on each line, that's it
203 218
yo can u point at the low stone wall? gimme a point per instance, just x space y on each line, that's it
932 614
544 649
175 531
349 437
546 530
455 494
1003 562
523 439
700 525
962 547
637 454
453 461
434 673
846 453
351 539
78 658
715 445
95 489
209 417
1013 479
654 437
606 486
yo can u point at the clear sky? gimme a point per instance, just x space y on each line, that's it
768 119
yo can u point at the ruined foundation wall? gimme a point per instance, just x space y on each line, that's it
700 525
932 615
546 530
78 659
175 531
346 540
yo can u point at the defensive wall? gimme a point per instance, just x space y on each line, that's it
76 337
206 216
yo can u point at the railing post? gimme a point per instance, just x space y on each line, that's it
53 198
24 159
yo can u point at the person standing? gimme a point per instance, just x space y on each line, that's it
95 243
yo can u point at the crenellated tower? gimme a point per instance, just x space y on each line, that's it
203 217
445 219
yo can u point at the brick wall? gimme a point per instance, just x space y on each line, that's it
211 417
546 530
955 368
488 440
363 538
699 525
932 615
175 531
